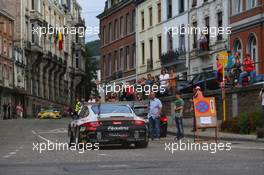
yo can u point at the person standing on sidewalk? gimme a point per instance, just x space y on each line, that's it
261 96
178 109
154 111
5 111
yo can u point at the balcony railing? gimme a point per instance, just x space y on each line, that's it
172 56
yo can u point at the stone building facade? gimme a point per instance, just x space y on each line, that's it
48 73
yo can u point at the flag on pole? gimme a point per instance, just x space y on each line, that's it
60 41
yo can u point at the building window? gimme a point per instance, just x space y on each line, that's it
252 3
143 52
151 52
5 72
207 35
115 29
121 26
236 6
104 66
109 32
142 20
159 12
121 59
220 24
10 29
109 72
150 17
160 46
194 3
169 9
238 48
195 35
181 6
115 61
127 23
5 47
133 21
252 48
77 60
10 75
182 39
10 51
127 58
133 61
4 24
104 35
170 40
33 35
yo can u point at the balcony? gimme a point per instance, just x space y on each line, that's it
36 48
173 57
35 16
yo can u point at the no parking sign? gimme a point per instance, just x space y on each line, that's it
205 112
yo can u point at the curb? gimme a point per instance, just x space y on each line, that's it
222 138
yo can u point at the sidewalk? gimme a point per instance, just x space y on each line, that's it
209 134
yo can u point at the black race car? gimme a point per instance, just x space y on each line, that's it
108 124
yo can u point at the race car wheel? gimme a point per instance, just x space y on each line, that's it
141 144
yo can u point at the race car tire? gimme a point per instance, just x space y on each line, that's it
141 144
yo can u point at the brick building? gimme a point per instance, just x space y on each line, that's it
247 22
6 58
118 47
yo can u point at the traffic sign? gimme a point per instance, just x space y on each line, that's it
223 58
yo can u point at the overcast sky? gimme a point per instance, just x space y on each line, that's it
90 9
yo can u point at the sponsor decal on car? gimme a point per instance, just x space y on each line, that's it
117 128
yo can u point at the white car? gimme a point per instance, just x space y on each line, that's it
108 124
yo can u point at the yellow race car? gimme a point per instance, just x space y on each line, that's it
49 113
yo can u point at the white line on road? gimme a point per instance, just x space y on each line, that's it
107 155
47 140
249 148
114 166
12 153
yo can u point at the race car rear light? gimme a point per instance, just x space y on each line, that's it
164 119
139 123
91 126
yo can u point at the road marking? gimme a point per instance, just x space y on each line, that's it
47 140
249 148
114 166
108 155
12 153
6 156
